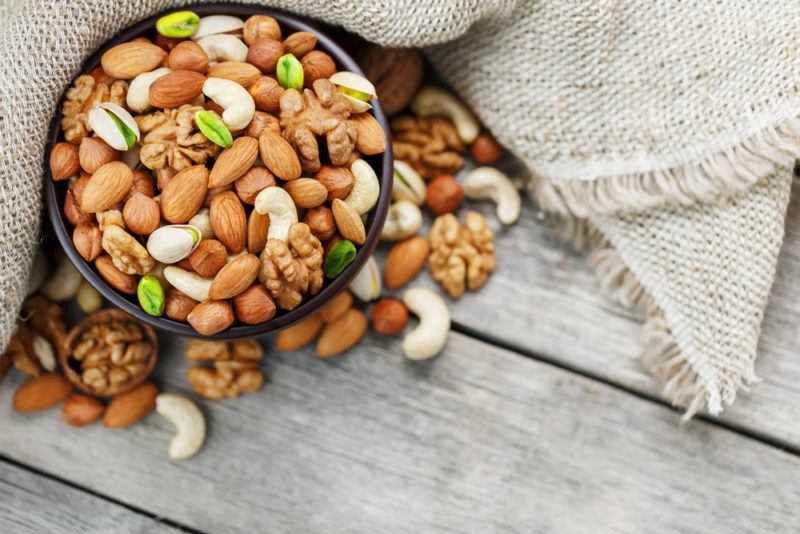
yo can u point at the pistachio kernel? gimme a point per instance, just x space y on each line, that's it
211 125
290 72
180 24
340 256
151 295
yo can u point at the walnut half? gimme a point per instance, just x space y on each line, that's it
291 270
462 256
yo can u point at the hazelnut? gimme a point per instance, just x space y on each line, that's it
265 54
73 212
389 317
316 66
320 221
260 27
266 93
486 150
166 43
143 183
337 180
188 55
100 76
64 162
330 243
178 305
141 214
444 194
299 44
254 305
250 184
163 176
88 241
79 186
94 153
261 122
81 410
208 258
211 317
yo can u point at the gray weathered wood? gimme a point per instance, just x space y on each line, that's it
479 440
31 503
544 299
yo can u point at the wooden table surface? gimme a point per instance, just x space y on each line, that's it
536 418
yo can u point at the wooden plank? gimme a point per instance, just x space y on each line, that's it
544 299
33 503
478 440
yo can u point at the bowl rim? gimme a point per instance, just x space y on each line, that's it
287 318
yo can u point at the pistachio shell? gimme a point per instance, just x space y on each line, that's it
366 285
172 243
351 80
110 122
215 24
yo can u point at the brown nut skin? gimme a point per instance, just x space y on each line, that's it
299 334
163 176
336 307
64 162
299 44
389 317
254 305
229 221
94 153
444 194
211 317
178 305
127 408
405 261
208 258
486 150
262 121
41 392
188 55
266 93
87 239
257 229
317 65
320 221
117 279
143 183
73 212
141 214
81 410
260 27
251 183
166 43
337 180
264 54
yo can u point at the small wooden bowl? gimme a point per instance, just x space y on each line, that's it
71 366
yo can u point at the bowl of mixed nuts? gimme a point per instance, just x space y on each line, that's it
219 171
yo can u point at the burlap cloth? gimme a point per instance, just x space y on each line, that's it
661 132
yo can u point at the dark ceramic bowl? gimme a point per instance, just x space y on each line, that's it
55 191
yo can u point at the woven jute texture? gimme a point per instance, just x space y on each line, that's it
666 129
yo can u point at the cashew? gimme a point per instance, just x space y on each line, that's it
366 285
88 298
202 221
138 97
434 101
366 188
193 285
429 337
38 273
215 24
63 285
276 202
223 47
488 182
408 185
44 352
403 220
237 102
190 425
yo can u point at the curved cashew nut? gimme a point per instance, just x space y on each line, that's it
366 285
488 182
202 221
403 220
434 101
366 188
408 184
214 24
88 298
223 47
190 425
276 202
235 100
138 97
193 285
430 335
64 284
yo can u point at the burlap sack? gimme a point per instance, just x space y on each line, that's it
615 106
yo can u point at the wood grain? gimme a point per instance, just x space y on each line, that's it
478 440
30 503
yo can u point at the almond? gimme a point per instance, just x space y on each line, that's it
341 334
306 192
211 317
336 307
240 72
208 258
317 65
349 222
117 279
405 260
128 60
235 277
371 138
214 192
175 89
41 393
107 187
265 54
141 214
183 195
300 43
87 239
257 230
299 334
279 156
337 180
266 93
178 305
64 162
94 153
81 410
254 305
251 183
127 408
188 55
229 221
233 162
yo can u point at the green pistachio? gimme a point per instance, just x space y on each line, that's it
180 24
151 295
341 255
358 95
127 133
290 72
213 128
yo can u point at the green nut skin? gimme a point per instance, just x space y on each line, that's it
151 295
358 95
341 255
179 25
127 133
213 128
290 72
